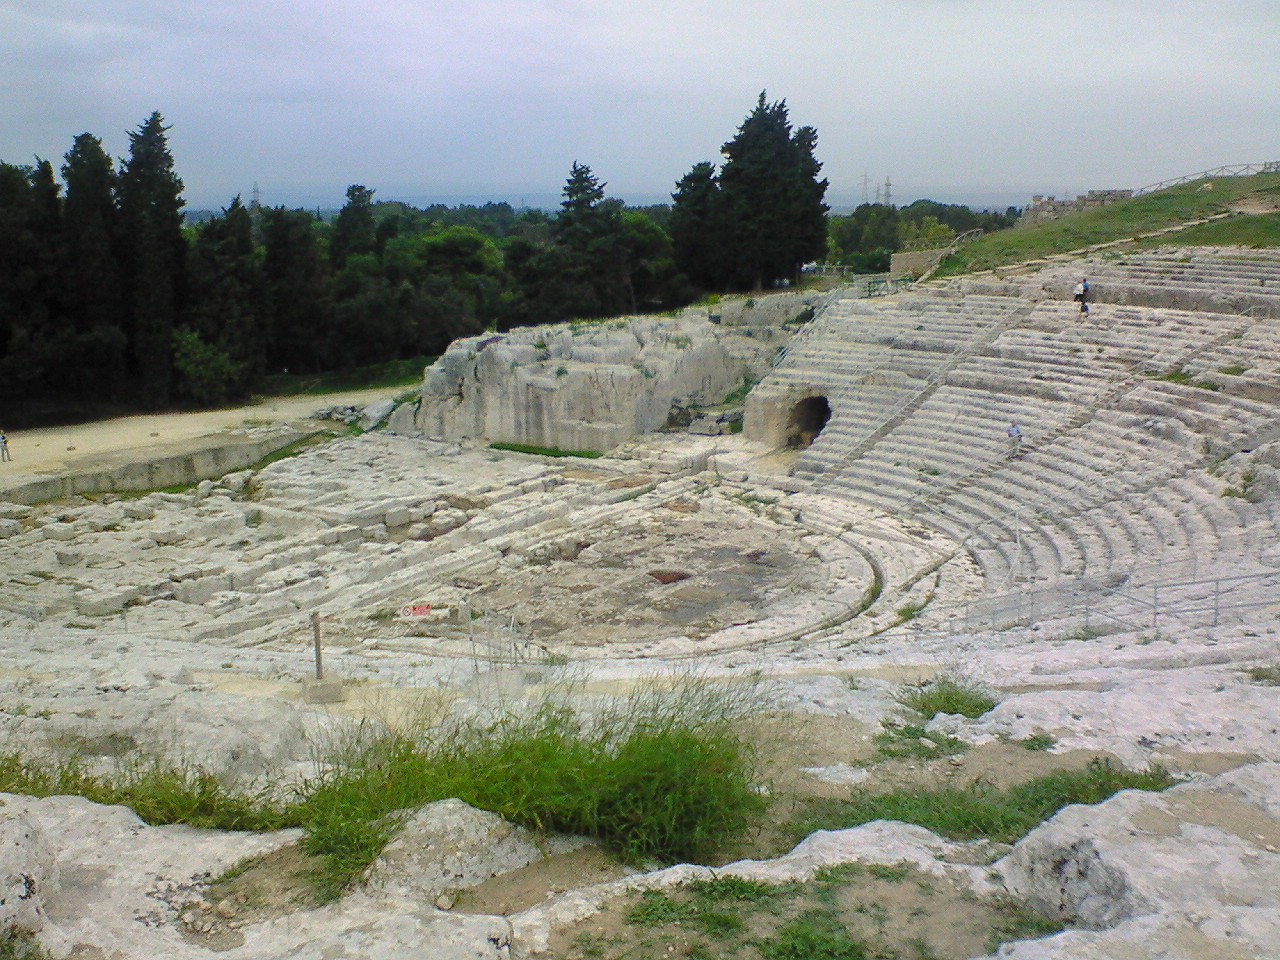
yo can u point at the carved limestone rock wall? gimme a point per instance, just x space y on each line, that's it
588 386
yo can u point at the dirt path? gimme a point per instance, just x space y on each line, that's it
50 449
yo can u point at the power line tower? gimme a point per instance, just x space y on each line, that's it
866 185
888 192
256 201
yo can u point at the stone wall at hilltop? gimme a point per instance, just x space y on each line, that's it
594 385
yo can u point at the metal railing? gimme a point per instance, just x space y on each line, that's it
1236 170
1113 600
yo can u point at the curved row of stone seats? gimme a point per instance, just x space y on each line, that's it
1023 545
1247 363
1055 364
956 432
896 556
1258 267
1189 280
1119 417
922 339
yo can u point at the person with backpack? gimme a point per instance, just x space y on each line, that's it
1082 294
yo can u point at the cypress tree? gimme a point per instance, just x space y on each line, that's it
222 340
765 211
153 255
698 228
354 231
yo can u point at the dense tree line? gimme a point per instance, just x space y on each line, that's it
108 300
865 238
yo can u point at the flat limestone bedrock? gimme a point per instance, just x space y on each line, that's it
1189 873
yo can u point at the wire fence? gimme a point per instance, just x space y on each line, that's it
1113 603
1236 170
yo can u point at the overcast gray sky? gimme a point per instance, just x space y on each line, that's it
980 100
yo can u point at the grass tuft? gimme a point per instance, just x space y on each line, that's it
947 694
979 810
660 776
1267 676
897 740
158 790
814 935
19 945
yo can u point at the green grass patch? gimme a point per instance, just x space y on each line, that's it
739 395
292 449
947 693
814 935
544 451
19 945
849 910
980 810
1247 480
660 776
1267 676
158 790
1259 231
1037 742
899 740
1127 219
1182 378
1020 922
909 611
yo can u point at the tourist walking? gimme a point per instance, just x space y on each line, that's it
4 448
1015 439
1081 295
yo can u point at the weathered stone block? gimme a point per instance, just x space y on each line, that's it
398 518
347 533
28 870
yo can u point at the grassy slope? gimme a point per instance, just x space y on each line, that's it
1129 218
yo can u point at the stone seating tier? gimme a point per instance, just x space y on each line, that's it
1110 471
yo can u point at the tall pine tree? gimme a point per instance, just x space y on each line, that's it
698 227
220 349
763 217
354 232
153 253
92 295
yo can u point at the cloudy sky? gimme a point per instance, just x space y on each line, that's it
984 101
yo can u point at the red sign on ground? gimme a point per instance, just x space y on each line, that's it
415 610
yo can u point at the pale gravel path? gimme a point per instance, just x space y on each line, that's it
52 449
